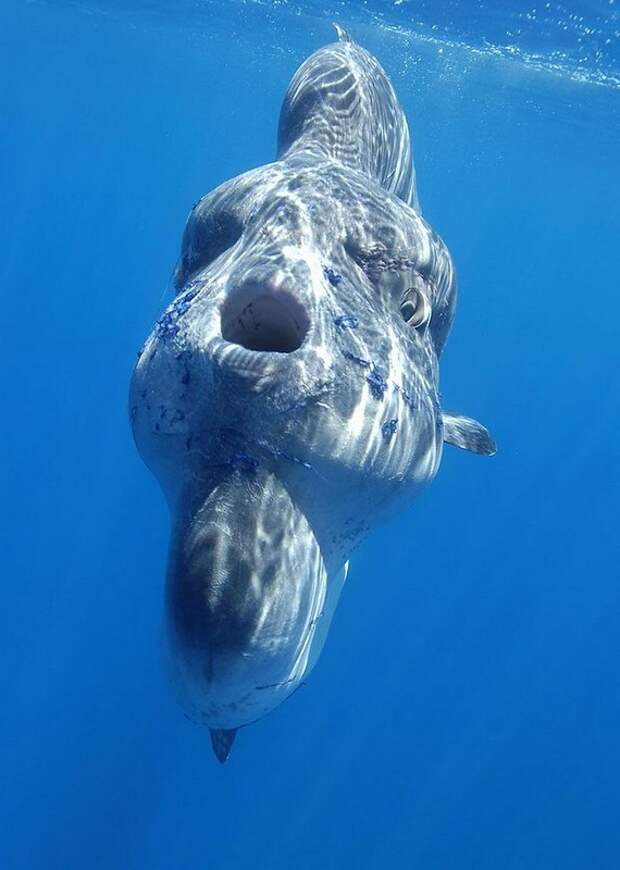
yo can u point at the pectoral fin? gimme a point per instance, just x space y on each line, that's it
467 434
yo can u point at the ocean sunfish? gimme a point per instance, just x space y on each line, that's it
287 399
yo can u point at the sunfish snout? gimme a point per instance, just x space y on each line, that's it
247 587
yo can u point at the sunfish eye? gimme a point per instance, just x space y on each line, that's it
415 308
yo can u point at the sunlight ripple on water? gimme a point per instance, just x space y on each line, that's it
579 41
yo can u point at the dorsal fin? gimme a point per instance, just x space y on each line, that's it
343 35
340 105
222 740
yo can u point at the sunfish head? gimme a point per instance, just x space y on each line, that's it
287 399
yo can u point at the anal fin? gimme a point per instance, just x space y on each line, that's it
222 740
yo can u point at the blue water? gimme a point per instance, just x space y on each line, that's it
465 712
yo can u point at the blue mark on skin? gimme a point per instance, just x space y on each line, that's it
190 291
244 461
177 417
406 397
356 359
378 384
167 326
299 403
437 411
333 277
276 685
181 305
281 454
232 438
239 457
346 320
389 428
294 459
183 355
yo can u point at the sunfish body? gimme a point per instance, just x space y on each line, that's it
287 400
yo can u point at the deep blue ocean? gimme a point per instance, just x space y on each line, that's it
465 713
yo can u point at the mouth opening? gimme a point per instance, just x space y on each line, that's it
264 321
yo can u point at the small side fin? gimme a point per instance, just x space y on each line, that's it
343 35
467 434
222 740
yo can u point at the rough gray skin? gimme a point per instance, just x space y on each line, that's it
288 399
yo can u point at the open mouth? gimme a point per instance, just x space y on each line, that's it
265 321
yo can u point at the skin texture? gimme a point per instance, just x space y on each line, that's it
287 400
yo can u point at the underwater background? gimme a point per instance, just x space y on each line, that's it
465 712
